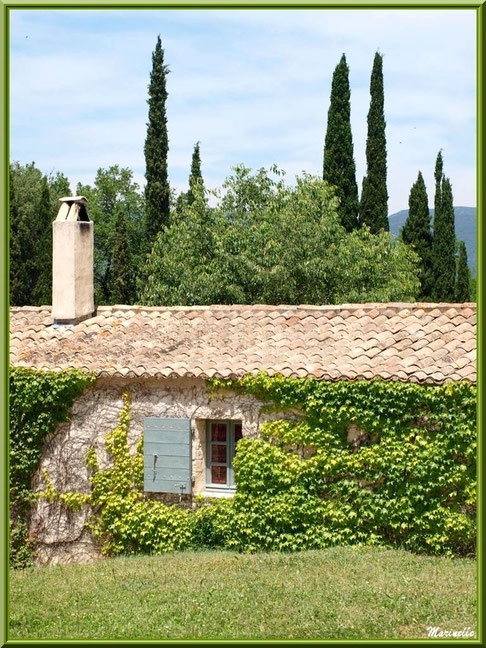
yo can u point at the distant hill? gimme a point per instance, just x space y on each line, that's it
465 229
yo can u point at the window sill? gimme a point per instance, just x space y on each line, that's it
219 492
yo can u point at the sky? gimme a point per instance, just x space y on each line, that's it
252 86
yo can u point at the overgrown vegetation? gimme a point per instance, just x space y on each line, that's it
405 478
38 401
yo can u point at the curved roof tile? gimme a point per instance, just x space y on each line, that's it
416 342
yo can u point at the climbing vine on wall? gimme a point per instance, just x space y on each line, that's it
406 476
38 401
122 519
361 462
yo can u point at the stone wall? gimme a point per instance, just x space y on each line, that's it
59 534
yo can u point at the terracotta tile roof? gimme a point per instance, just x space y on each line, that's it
407 342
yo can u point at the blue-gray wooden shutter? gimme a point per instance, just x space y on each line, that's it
167 455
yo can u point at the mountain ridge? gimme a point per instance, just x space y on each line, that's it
465 223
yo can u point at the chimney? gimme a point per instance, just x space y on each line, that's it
72 262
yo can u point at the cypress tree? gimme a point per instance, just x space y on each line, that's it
22 269
416 232
157 190
443 246
122 281
339 168
42 290
195 177
374 196
438 175
463 290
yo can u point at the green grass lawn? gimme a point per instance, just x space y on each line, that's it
337 593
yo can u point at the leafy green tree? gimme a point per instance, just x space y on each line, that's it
339 168
463 278
157 190
374 196
444 246
416 232
114 193
239 252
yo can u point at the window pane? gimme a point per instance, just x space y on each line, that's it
218 432
218 453
218 474
238 432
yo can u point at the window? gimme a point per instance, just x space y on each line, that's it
221 440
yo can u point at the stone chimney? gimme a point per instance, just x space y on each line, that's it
72 262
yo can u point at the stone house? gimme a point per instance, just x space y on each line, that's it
163 357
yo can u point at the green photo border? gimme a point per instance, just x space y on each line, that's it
5 7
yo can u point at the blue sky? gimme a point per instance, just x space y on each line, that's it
252 86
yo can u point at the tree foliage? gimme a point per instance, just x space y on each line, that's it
42 290
195 177
339 168
444 246
157 190
416 232
373 209
438 176
196 182
33 206
122 270
463 278
115 205
268 242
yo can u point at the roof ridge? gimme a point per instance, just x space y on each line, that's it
266 307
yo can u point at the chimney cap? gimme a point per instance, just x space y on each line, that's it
74 199
73 208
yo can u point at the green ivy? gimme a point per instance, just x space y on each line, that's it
38 401
409 481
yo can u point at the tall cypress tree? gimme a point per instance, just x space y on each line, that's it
24 185
416 232
463 289
157 190
196 176
438 175
339 168
443 246
374 196
41 293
